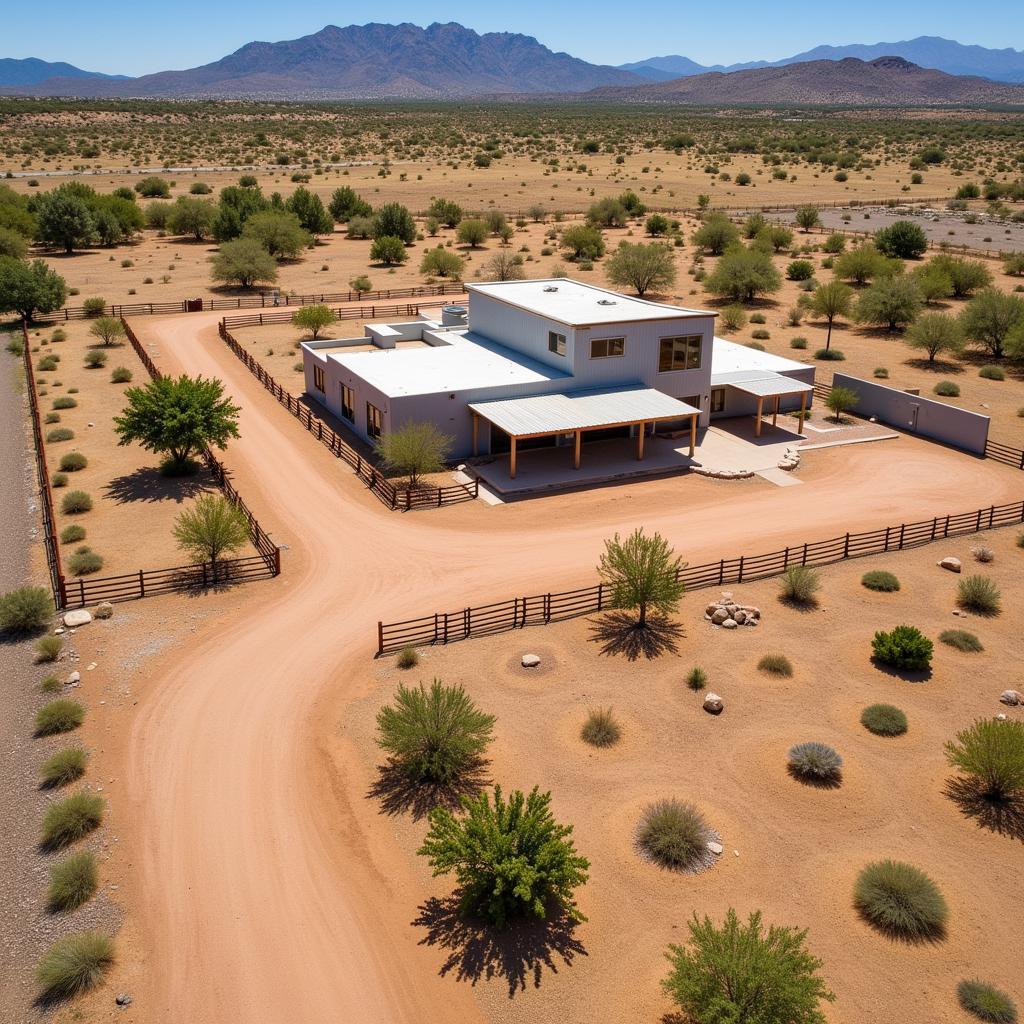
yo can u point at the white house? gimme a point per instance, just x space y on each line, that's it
548 362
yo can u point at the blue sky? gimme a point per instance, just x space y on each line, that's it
116 36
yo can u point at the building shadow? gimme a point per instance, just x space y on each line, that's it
398 794
518 955
619 633
150 484
1006 817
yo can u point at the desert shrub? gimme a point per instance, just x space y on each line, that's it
61 715
879 579
120 375
74 964
884 720
59 480
434 735
798 342
983 554
48 648
978 594
947 389
72 462
904 647
675 835
800 270
47 364
800 584
986 1002
814 762
829 355
881 373
962 640
992 372
601 729
95 358
992 752
697 678
75 502
68 820
776 665
64 402
85 561
408 657
51 684
758 318
63 767
733 317
60 434
25 610
761 335
72 882
510 858
51 417
744 974
901 900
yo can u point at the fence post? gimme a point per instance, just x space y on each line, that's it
721 571
435 627
903 526
467 618
803 560
446 627
600 596
740 578
547 608
846 546
785 558
991 515
204 575
142 584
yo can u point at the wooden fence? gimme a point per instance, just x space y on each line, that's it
284 316
540 609
404 499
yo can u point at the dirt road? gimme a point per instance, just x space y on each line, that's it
267 889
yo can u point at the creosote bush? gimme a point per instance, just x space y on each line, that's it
697 678
85 561
120 375
95 358
884 720
986 1002
48 648
978 594
72 462
72 882
64 402
25 610
992 753
675 835
900 900
962 640
75 502
879 579
776 665
815 763
60 434
59 480
407 658
74 964
71 534
904 647
61 715
800 584
63 767
68 820
601 729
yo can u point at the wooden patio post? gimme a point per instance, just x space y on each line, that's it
476 434
577 445
760 407
512 461
803 412
775 412
693 434
640 442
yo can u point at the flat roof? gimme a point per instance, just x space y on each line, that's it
768 385
563 413
729 358
577 304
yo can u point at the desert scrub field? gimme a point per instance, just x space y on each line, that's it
844 747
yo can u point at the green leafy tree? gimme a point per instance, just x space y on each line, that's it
414 449
308 207
393 220
642 267
445 212
742 274
862 264
30 288
243 261
65 219
989 318
807 217
584 242
16 212
213 528
892 302
967 276
388 249
153 187
314 319
902 240
236 204
992 752
776 236
657 225
936 334
108 329
194 217
744 974
510 858
279 232
361 285
840 400
345 204
472 232
933 283
631 203
608 213
503 266
361 227
442 262
716 234
642 572
13 244
178 418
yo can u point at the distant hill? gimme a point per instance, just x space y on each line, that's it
947 55
887 81
32 71
367 61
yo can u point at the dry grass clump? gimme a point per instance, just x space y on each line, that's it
800 584
697 678
675 835
983 554
986 1002
815 763
72 882
67 821
884 720
48 648
880 580
978 594
962 640
74 964
601 729
61 715
84 561
63 767
900 900
407 658
776 665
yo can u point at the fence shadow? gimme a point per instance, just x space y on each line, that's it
1006 817
398 794
619 633
518 954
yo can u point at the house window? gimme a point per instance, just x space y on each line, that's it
602 348
318 378
348 403
556 343
679 353
374 421
718 400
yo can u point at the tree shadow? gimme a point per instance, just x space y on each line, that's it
1005 817
516 954
811 604
934 366
150 484
619 633
908 675
815 781
398 794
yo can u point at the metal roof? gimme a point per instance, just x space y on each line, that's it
728 357
563 413
762 384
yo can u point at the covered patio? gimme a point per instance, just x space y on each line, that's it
571 415
766 386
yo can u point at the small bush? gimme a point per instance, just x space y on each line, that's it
761 335
986 1002
800 584
72 882
879 579
776 665
61 715
64 402
978 594
798 342
69 820
408 657
59 335
992 372
51 417
962 640
992 752
815 763
601 729
59 480
95 358
94 306
47 364
51 684
72 462
675 835
48 648
828 355
983 554
63 767
733 317
697 678
758 318
901 900
120 375
881 373
85 561
947 389
905 647
60 434
884 720
71 534
25 610
75 502
74 964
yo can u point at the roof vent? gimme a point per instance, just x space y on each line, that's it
551 287
606 302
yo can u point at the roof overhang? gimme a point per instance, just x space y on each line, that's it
762 383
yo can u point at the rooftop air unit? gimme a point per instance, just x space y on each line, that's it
453 316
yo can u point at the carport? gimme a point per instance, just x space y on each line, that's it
766 386
572 414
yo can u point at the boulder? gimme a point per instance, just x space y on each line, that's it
950 563
77 617
73 678
740 616
713 704
730 624
1011 697
104 610
719 616
716 848
531 660
711 609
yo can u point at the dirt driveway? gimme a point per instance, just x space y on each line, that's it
265 887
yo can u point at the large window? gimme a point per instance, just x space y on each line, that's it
348 403
556 343
602 348
374 421
318 378
679 353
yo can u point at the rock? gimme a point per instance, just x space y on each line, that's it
730 624
753 621
713 704
711 609
752 611
716 848
104 610
1011 697
1000 717
73 678
123 999
950 563
732 609
740 616
78 617
719 616
531 660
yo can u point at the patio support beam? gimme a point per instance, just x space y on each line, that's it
803 411
775 411
476 433
577 445
693 434
640 441
512 460
760 409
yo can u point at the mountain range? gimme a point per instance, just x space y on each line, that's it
32 71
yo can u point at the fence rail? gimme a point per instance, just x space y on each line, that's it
537 609
282 316
403 499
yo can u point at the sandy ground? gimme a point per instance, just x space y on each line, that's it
261 884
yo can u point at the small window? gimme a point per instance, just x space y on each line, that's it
348 403
679 353
318 378
374 421
602 348
718 400
556 343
